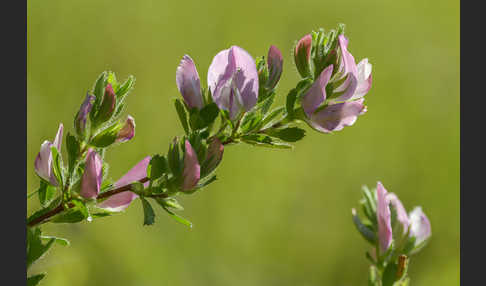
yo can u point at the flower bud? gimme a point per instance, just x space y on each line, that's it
121 201
233 81
81 120
127 131
275 64
43 161
188 83
117 132
214 155
192 169
302 55
107 106
92 176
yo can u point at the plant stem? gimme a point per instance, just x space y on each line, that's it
60 207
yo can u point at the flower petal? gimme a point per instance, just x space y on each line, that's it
233 66
275 65
384 218
92 176
334 117
82 116
58 140
121 201
419 225
136 173
316 94
192 169
188 83
402 216
43 162
128 130
364 79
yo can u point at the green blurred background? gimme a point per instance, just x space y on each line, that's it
274 217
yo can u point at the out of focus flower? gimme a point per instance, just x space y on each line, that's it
384 218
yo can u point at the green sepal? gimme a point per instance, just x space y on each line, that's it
98 91
73 150
57 165
108 136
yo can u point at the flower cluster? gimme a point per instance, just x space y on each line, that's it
235 107
394 234
335 98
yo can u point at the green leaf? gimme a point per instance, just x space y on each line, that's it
35 248
262 140
57 165
46 193
290 103
250 121
206 181
291 134
74 214
365 231
267 103
390 274
35 279
370 205
59 240
268 120
181 112
73 149
209 113
176 217
169 203
148 212
157 167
